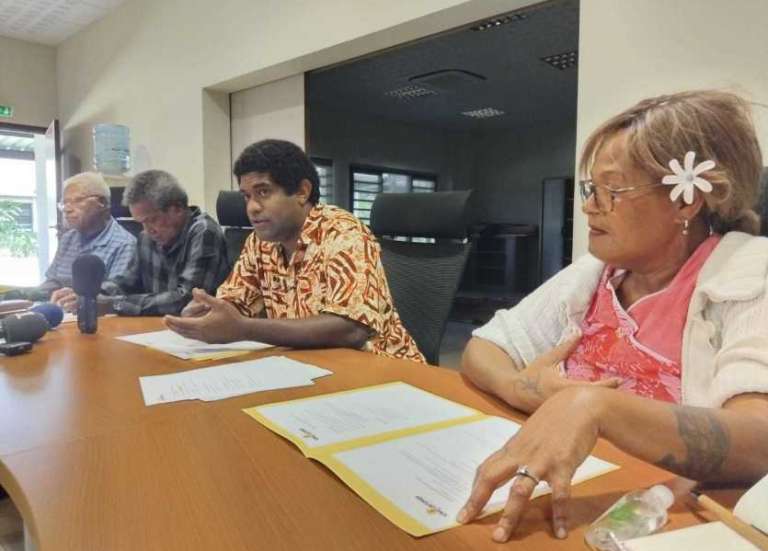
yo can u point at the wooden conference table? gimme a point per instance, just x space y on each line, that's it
91 468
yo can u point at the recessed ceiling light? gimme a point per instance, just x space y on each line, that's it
484 113
563 61
410 92
499 21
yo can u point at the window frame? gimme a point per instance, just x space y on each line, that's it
330 198
380 171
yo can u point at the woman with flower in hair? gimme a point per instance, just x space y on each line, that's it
658 339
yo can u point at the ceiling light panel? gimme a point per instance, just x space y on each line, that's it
410 92
562 61
499 21
484 113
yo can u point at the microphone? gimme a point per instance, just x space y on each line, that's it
87 275
26 327
52 313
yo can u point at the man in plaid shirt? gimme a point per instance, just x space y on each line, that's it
181 248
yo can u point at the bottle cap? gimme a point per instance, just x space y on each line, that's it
661 496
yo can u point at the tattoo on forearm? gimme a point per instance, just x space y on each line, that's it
706 441
529 385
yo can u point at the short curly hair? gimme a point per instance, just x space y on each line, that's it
284 161
717 125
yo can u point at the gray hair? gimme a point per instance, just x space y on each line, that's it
159 188
92 183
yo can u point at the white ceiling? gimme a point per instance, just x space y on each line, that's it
50 21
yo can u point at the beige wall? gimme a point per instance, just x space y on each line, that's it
632 49
272 110
28 81
159 66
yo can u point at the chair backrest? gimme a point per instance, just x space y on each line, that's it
423 277
763 207
120 212
230 210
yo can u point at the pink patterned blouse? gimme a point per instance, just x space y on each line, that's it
642 344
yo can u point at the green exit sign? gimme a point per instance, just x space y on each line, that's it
6 111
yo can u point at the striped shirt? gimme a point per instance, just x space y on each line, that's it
114 245
160 279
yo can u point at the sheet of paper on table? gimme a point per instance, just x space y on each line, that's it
229 380
752 508
69 317
712 536
433 444
189 349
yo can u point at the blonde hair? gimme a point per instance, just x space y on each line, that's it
715 125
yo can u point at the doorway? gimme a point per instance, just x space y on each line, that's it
489 107
29 190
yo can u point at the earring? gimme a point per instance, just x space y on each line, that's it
685 226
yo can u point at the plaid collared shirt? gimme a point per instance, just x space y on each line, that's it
335 269
160 279
114 245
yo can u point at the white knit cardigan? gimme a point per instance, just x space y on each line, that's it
725 338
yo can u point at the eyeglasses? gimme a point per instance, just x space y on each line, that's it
606 197
76 201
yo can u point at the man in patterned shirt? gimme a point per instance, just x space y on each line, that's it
309 275
181 248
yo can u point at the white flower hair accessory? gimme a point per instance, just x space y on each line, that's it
686 178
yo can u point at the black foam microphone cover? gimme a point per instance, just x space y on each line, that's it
26 327
87 275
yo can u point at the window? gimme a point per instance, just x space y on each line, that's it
18 236
325 172
22 214
368 182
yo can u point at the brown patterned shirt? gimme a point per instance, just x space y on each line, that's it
336 269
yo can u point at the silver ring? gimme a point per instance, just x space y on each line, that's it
523 471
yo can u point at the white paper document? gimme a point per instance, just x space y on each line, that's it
188 349
712 536
346 416
229 380
752 508
435 469
410 454
69 317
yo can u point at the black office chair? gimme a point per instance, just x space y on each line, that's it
120 212
423 277
230 210
763 206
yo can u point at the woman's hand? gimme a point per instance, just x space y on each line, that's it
551 445
545 377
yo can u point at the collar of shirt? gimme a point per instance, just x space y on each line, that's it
311 233
101 239
194 212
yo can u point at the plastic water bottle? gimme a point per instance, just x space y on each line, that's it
635 515
111 148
